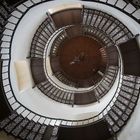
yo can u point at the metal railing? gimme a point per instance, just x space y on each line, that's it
124 6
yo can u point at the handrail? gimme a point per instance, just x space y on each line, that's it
61 88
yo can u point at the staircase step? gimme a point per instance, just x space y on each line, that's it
48 133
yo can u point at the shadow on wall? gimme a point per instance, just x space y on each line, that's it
4 136
12 2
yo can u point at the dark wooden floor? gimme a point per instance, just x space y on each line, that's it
98 131
131 57
37 70
80 57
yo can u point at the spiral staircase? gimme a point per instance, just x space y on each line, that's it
41 97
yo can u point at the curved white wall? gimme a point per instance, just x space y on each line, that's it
33 98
